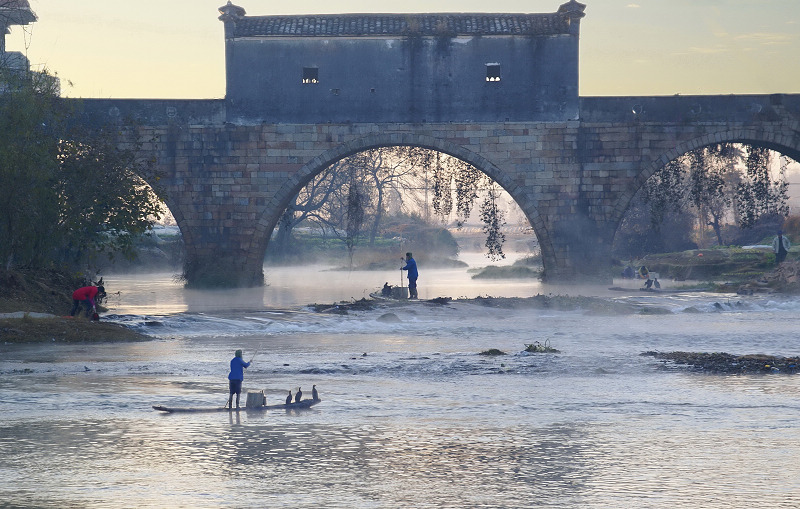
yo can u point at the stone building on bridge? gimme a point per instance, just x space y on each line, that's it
406 68
499 91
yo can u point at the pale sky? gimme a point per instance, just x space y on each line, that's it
174 49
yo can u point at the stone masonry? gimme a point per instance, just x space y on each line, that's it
228 184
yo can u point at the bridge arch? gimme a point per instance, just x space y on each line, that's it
314 166
779 141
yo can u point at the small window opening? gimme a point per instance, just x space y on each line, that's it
492 72
310 75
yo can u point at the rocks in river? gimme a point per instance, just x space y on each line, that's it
537 347
492 352
720 362
389 318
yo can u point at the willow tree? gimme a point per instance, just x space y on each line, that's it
758 194
456 187
720 183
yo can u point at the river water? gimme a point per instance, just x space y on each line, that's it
411 414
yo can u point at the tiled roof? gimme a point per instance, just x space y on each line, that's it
343 25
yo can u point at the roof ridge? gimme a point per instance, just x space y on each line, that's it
352 24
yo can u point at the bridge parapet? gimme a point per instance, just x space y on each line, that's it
680 109
151 112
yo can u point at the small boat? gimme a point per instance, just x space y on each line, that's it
389 292
300 405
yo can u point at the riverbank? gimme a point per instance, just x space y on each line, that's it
32 309
37 329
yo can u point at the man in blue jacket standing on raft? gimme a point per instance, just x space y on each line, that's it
236 376
411 267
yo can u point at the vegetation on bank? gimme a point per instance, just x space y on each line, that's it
70 193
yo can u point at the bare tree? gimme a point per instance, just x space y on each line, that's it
403 172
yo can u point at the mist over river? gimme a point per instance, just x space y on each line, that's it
411 415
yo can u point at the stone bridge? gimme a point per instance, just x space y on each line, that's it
499 91
227 183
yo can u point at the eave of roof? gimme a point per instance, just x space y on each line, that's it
447 24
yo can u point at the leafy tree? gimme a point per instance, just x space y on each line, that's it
68 193
638 235
29 127
455 187
105 203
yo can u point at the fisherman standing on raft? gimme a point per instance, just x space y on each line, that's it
411 267
236 377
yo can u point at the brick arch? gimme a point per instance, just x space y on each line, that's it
773 139
372 141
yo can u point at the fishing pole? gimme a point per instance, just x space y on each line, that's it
401 272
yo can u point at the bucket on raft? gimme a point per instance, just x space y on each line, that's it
399 292
255 399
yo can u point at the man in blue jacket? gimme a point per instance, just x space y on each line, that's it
236 376
411 267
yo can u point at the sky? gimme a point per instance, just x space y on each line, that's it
174 49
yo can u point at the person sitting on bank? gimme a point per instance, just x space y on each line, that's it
411 267
236 377
87 295
780 245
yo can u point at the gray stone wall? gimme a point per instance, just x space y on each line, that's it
402 79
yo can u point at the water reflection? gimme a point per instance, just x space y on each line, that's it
289 287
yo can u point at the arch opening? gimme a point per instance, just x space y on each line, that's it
413 197
716 194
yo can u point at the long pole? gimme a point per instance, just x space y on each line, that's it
401 272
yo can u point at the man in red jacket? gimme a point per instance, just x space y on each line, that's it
87 295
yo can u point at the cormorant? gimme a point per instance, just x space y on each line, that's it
289 398
314 393
298 395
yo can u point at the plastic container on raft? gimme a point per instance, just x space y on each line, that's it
255 399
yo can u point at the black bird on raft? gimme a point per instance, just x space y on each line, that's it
314 393
298 395
289 398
